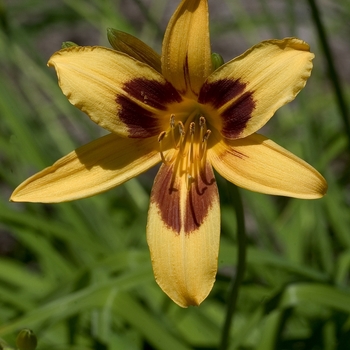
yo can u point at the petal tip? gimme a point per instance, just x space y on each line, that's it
14 196
183 298
323 188
319 189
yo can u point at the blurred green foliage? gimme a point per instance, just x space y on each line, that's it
79 274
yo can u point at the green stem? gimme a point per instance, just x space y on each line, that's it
332 71
241 262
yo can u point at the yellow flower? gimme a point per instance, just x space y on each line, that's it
177 110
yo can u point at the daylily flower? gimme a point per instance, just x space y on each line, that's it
175 109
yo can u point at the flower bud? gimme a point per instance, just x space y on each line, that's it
112 35
67 44
26 340
216 60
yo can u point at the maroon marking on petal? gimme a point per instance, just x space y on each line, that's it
166 195
186 71
237 115
140 122
167 198
200 198
187 77
231 151
220 92
152 92
237 154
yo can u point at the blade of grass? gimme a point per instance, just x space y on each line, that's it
332 71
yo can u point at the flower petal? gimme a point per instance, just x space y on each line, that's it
121 94
134 47
258 164
96 167
186 60
183 235
246 92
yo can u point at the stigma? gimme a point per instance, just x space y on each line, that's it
185 146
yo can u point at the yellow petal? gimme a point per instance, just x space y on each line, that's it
183 232
121 94
258 164
186 60
96 167
245 92
134 47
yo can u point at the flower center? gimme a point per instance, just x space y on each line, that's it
188 146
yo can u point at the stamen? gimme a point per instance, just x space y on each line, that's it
206 135
192 130
181 128
172 121
189 148
160 139
172 130
201 132
182 137
189 182
204 146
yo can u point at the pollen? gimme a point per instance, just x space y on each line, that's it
185 145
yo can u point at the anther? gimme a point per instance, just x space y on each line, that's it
206 135
181 129
160 139
182 137
204 145
161 136
172 128
172 121
192 130
202 127
189 182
